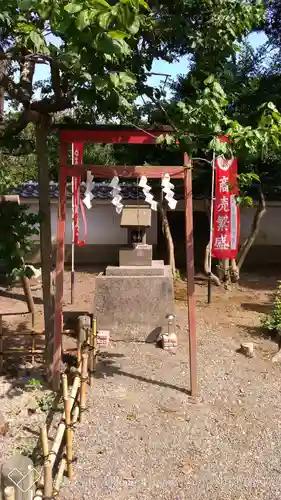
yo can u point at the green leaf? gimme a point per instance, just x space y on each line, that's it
73 8
218 88
272 106
105 20
99 82
125 15
123 101
117 34
113 46
277 116
181 105
114 79
45 12
135 26
102 3
82 20
87 76
25 5
144 4
36 39
127 78
209 80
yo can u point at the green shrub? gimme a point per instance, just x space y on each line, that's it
272 322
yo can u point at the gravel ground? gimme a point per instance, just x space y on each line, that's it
142 437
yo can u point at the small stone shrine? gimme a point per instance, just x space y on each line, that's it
135 298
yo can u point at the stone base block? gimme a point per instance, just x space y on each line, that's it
156 269
134 307
139 256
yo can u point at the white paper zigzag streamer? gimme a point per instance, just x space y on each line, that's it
88 196
168 189
115 193
149 198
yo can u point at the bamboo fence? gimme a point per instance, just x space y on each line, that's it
32 351
61 453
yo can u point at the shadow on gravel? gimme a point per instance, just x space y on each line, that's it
106 367
18 296
259 308
259 332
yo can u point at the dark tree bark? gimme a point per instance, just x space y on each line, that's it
248 243
41 132
169 239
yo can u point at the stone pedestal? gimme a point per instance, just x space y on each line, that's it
132 302
139 256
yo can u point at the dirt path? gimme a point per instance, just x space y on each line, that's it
142 438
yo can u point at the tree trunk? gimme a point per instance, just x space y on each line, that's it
228 271
41 131
244 250
214 278
169 239
234 271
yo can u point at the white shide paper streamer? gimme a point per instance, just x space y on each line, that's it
168 190
88 195
116 194
149 198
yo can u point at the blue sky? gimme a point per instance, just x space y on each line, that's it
173 69
178 68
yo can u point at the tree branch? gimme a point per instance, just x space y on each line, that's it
50 105
165 113
14 90
244 250
14 127
55 79
26 77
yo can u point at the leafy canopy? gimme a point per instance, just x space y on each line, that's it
87 46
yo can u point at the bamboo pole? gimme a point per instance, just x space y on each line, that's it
84 328
61 428
64 386
48 480
93 350
33 349
44 441
9 493
59 477
69 434
23 332
84 377
22 351
63 462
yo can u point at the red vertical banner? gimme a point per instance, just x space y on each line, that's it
77 159
226 211
77 153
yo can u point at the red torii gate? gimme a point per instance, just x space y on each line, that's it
120 135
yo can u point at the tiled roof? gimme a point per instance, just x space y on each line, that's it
101 190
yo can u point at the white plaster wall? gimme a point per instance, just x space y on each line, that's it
270 227
103 224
